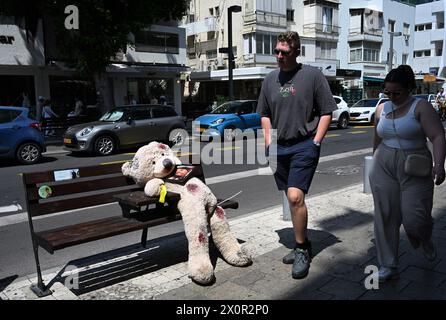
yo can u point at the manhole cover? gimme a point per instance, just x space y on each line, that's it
341 170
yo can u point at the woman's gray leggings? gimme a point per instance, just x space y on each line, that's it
399 198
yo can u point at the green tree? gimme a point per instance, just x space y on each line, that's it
104 28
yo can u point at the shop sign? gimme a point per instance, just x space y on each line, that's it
6 39
328 69
429 78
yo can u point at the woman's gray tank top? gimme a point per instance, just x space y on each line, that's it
408 128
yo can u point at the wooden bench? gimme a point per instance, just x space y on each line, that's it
50 192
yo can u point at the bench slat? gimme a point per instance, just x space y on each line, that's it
39 209
56 239
90 171
73 186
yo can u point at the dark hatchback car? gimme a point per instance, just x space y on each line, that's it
20 136
127 126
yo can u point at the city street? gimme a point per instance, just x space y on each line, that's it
340 166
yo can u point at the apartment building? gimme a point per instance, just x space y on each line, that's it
349 40
150 69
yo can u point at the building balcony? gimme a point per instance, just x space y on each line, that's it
374 35
320 30
207 25
266 19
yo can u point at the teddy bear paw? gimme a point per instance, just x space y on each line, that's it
201 273
239 258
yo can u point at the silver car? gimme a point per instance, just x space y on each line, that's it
127 126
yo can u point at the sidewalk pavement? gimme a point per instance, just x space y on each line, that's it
340 228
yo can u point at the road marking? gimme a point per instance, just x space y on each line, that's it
359 127
227 148
11 208
22 217
332 135
356 132
185 154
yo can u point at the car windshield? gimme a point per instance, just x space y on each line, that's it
226 108
367 103
113 115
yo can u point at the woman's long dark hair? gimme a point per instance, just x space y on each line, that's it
403 75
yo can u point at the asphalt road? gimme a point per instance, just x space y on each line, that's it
258 192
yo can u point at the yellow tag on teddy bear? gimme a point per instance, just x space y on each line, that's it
163 192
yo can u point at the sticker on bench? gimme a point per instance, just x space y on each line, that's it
45 192
66 174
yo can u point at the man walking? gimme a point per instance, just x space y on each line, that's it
296 102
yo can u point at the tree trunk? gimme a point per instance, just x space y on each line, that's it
104 92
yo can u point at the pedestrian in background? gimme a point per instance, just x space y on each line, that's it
401 196
296 101
48 113
39 107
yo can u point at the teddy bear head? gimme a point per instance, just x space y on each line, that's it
155 160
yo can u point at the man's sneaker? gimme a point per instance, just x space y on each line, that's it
301 263
289 258
386 273
429 250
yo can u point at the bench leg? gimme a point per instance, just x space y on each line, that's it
144 237
40 289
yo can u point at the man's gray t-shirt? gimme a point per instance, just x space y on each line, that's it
294 101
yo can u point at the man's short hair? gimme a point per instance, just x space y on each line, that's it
290 37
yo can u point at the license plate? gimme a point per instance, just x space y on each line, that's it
353 118
201 130
66 140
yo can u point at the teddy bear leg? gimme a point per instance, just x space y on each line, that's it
195 222
226 242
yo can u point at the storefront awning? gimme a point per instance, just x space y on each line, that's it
373 79
123 69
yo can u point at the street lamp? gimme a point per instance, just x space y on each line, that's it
231 9
390 58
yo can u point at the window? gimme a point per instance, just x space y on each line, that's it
217 11
364 51
139 113
191 18
8 115
427 53
246 108
327 19
148 41
326 50
265 43
290 15
429 26
391 26
302 51
250 43
211 12
160 112
211 54
211 35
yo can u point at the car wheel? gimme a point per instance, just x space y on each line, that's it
229 133
177 137
29 153
104 145
343 121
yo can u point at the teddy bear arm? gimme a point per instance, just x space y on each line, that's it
152 187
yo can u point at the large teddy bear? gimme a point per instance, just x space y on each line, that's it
151 167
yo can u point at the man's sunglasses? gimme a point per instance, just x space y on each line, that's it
393 93
283 52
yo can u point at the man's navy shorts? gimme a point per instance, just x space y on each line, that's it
296 165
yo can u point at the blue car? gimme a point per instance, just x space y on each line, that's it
20 136
227 118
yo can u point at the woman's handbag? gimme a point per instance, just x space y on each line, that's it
417 165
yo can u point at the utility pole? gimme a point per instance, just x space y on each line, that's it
390 58
231 9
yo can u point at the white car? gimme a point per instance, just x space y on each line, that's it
363 111
341 115
430 98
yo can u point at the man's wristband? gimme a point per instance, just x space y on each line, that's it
316 143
